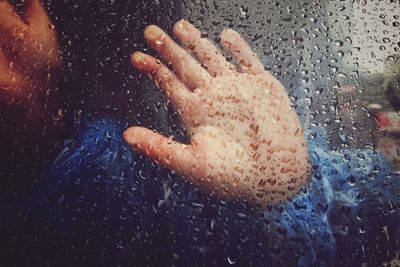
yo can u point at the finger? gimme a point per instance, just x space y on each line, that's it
11 25
35 15
4 64
175 90
9 78
12 84
186 67
173 155
245 57
44 36
5 75
204 50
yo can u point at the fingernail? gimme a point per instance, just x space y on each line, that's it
229 34
152 32
137 57
129 137
186 27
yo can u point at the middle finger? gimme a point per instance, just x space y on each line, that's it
190 72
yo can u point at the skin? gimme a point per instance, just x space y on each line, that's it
29 56
29 61
246 139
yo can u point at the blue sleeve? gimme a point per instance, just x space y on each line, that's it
98 198
349 203
360 191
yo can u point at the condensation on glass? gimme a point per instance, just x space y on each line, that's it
340 64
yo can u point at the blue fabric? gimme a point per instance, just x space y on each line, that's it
101 199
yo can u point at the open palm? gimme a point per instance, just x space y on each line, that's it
246 139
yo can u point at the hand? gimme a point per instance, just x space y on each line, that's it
29 58
28 54
246 139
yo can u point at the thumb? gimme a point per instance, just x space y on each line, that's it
173 155
13 86
35 14
43 32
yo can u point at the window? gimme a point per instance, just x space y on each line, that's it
76 190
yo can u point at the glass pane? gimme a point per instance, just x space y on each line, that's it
219 173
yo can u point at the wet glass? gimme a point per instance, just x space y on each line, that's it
73 192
